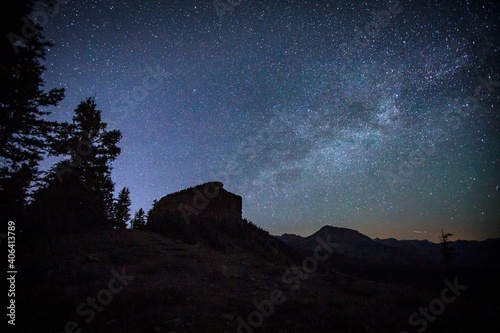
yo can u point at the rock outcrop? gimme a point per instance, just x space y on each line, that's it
208 203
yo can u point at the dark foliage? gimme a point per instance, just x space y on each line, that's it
25 135
78 192
122 209
448 252
139 220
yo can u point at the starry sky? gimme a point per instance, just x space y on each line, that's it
373 115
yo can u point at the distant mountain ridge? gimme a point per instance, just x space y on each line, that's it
352 243
209 214
357 245
468 253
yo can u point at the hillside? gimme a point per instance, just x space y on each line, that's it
413 262
177 287
365 258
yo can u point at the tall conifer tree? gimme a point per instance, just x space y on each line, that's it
25 135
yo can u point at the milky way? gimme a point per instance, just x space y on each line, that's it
375 116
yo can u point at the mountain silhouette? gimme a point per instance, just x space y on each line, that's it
221 272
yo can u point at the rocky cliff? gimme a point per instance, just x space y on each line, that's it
205 203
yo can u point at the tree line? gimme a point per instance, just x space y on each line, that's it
77 192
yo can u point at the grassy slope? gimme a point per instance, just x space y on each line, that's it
190 288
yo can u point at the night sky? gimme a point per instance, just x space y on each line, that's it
368 115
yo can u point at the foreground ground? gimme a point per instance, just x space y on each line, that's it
132 281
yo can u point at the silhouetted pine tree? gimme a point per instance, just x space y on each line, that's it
122 209
78 192
448 252
25 136
139 220
151 213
